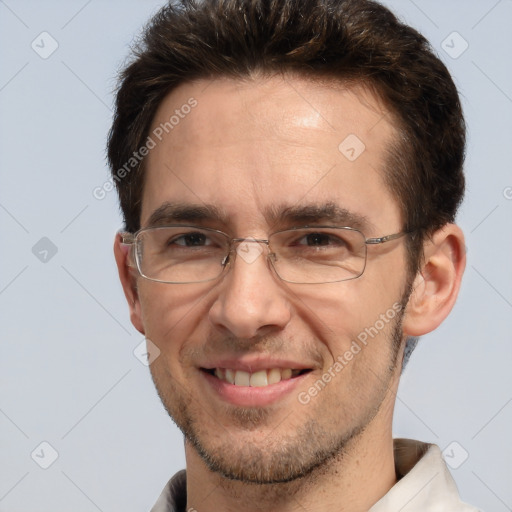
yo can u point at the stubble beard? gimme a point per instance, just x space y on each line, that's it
308 449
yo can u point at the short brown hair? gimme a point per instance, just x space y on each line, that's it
350 40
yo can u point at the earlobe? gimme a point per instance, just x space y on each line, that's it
437 283
128 278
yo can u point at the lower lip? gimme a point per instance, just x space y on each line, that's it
248 396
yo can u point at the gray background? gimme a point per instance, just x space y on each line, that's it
68 373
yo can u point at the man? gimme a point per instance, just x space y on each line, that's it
289 174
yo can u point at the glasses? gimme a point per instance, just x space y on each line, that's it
304 255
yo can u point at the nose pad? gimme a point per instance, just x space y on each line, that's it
271 256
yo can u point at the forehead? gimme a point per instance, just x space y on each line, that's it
270 144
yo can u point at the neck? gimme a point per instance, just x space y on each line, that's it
352 481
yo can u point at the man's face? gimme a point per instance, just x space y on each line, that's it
248 149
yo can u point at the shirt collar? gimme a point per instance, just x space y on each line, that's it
424 482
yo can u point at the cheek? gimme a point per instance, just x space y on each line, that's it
344 310
171 312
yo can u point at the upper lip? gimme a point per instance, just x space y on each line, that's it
252 364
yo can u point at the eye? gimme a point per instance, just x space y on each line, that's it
193 239
319 239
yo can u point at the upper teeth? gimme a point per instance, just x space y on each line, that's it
256 379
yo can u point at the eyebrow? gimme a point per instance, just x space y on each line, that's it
330 213
168 213
276 216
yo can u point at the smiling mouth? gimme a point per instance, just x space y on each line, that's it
261 378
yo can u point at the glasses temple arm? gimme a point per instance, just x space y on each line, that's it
387 238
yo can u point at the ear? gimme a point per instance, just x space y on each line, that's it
128 276
437 283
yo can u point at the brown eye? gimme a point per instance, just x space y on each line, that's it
320 240
191 240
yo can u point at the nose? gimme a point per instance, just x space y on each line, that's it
251 301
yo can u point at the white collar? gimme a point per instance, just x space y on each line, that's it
425 484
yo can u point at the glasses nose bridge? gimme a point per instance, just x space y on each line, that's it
237 241
233 242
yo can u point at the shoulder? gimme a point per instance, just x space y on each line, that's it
174 495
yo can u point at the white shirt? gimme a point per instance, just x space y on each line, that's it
425 484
